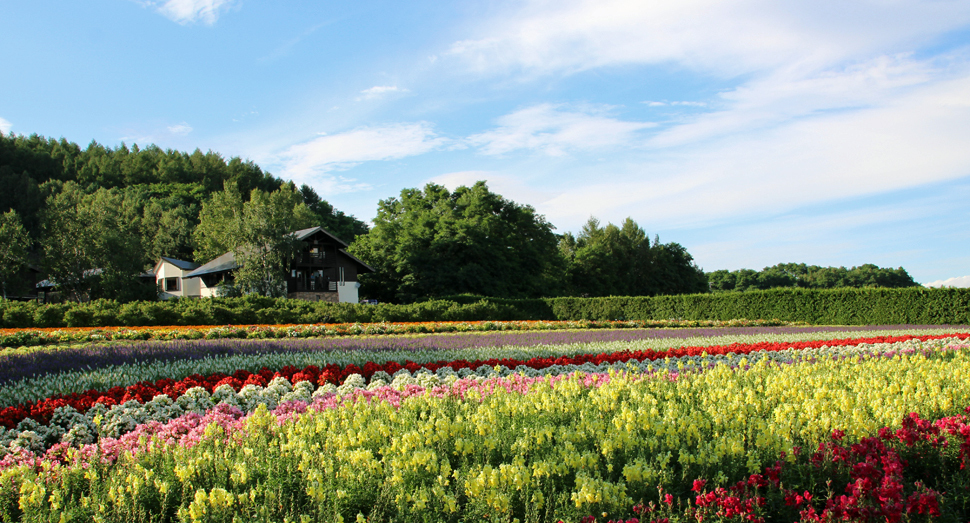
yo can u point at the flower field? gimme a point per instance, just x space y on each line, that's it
729 424
58 335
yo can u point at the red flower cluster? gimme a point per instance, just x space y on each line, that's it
740 500
143 392
879 486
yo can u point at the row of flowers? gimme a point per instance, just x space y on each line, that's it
192 358
27 363
584 446
82 418
45 336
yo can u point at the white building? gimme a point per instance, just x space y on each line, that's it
169 274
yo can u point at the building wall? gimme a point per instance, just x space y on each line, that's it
189 288
331 297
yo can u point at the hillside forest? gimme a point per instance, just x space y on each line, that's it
92 220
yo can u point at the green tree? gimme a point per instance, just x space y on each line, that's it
220 224
266 241
14 245
810 277
343 226
433 242
92 246
621 261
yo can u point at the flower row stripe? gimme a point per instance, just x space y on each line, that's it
145 391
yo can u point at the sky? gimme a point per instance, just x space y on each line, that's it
752 132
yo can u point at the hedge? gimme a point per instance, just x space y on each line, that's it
848 306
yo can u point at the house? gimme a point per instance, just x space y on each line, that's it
322 271
169 274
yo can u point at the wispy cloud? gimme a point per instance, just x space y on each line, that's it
740 169
555 130
820 101
286 47
190 11
379 91
181 129
961 282
327 153
729 38
5 126
665 103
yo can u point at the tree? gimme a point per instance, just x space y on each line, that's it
220 224
92 246
433 242
621 261
266 243
345 227
14 244
809 277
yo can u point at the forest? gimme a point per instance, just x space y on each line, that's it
92 220
809 277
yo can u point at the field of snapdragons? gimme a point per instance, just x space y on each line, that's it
708 424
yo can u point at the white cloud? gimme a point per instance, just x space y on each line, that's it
782 97
675 103
181 129
962 282
191 11
723 37
697 175
379 91
555 131
343 150
5 126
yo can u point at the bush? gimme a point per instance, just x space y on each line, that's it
848 306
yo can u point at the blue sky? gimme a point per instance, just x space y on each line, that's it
753 132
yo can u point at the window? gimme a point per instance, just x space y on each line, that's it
171 284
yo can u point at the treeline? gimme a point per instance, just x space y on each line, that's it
91 220
845 306
433 242
809 277
65 211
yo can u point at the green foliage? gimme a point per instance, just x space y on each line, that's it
847 306
92 243
345 227
433 242
809 277
155 196
220 223
14 244
620 261
265 243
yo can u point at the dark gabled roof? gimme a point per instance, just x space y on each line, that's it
303 234
352 257
226 262
181 264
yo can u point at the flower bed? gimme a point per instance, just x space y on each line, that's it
572 435
46 336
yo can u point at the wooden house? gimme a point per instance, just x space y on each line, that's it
322 271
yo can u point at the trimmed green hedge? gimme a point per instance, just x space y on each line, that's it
849 306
